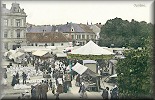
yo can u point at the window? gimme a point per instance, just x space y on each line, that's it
62 44
11 34
72 36
5 34
79 36
83 36
91 36
18 33
14 8
6 45
36 44
87 36
18 22
72 30
5 22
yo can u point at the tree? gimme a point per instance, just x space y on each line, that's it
135 72
123 33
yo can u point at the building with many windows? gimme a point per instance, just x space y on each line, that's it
13 24
78 33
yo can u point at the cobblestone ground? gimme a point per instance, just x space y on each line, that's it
9 92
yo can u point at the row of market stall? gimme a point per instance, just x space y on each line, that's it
89 54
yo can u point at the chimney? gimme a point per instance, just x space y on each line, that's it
4 5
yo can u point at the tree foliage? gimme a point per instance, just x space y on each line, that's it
135 72
123 33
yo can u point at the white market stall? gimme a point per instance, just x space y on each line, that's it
89 77
91 49
39 53
80 69
91 64
17 57
8 53
34 48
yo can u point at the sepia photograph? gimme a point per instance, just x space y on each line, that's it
55 50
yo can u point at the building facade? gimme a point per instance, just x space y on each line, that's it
78 33
13 24
47 39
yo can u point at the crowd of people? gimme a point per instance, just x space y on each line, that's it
57 76
108 94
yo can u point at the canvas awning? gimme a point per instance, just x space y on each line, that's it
15 55
51 47
91 49
89 61
39 53
61 54
80 69
115 75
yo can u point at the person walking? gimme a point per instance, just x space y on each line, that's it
44 90
114 93
82 90
24 77
40 91
37 91
17 77
50 84
33 92
106 94
13 80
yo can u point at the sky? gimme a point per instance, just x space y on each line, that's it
61 12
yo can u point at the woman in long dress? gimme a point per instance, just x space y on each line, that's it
14 81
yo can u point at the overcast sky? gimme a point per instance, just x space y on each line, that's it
61 12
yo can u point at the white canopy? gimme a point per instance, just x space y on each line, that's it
51 47
80 69
89 61
61 54
34 48
39 53
15 55
115 75
91 49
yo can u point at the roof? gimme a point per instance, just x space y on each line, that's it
5 10
39 53
39 29
86 28
80 69
47 37
61 54
65 28
91 49
99 25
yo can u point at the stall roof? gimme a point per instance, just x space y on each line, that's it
91 49
80 69
18 54
89 61
51 47
115 75
61 54
39 53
